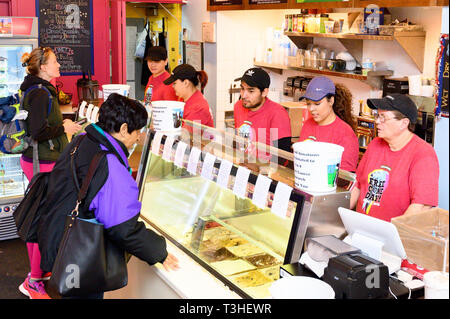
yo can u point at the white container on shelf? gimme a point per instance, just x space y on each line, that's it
108 89
316 166
415 84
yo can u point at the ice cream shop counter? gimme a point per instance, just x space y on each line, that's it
234 226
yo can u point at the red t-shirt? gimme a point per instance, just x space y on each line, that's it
390 181
269 123
196 108
161 92
339 133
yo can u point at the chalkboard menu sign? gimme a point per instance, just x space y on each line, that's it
66 27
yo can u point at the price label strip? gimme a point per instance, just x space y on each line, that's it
167 152
208 166
281 199
240 182
224 173
156 143
261 191
179 154
193 160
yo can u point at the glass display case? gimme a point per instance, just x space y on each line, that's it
13 184
241 219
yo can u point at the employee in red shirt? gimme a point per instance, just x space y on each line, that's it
157 61
185 80
399 172
331 119
258 118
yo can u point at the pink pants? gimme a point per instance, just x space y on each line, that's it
34 254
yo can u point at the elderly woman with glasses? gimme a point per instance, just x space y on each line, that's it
399 172
47 127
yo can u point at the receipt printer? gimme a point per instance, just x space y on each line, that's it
357 276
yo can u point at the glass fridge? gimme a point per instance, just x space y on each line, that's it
17 36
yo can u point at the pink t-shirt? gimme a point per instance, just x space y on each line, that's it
196 108
161 92
339 133
390 181
269 123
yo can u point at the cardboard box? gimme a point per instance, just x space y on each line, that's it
298 114
425 238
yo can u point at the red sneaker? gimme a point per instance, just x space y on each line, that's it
34 290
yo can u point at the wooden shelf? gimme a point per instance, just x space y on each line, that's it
413 43
354 36
373 78
400 3
320 5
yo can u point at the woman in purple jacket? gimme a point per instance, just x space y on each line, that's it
113 193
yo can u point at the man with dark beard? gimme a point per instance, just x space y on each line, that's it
258 118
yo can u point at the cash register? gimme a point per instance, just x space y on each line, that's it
357 267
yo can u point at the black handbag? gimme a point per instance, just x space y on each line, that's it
87 261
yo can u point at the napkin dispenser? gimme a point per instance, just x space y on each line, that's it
357 276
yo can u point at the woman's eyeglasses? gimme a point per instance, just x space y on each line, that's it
382 118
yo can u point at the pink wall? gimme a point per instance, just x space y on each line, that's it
102 44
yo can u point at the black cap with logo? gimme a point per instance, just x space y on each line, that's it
181 72
156 54
396 102
256 77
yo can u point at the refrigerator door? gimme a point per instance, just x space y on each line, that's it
12 72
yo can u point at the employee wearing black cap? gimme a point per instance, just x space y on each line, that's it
258 118
155 89
399 172
185 80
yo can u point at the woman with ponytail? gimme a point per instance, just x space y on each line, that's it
331 119
45 125
185 81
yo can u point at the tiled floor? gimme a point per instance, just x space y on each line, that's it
14 267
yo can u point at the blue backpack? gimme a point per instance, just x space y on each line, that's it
14 137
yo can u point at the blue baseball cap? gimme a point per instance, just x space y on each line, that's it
318 88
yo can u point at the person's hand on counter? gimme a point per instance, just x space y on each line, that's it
71 127
171 263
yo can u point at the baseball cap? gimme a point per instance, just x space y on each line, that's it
156 54
182 72
318 88
396 102
256 77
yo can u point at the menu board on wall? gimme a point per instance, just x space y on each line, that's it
224 2
267 1
66 27
193 54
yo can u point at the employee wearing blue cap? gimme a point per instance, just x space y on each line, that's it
399 172
331 119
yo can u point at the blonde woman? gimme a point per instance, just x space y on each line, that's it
46 126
